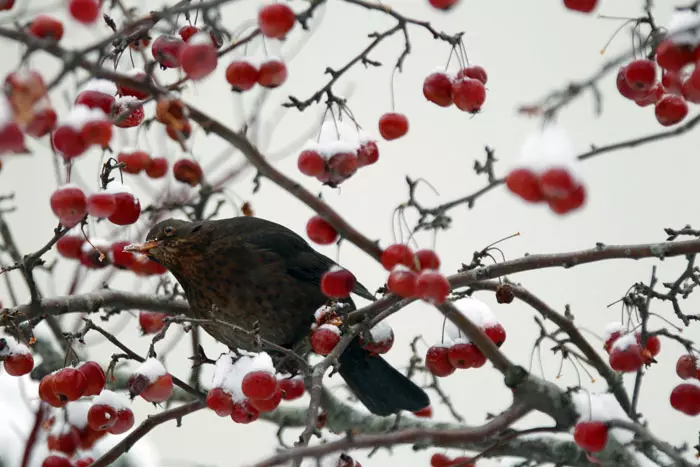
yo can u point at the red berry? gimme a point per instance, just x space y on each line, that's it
368 154
474 72
325 338
128 113
496 333
273 73
402 281
311 163
101 204
269 404
134 161
687 366
611 340
427 259
12 139
151 322
88 437
651 349
84 462
198 59
342 166
437 88
337 283
244 412
443 4
241 75
625 89
557 183
671 56
292 388
573 200
125 420
18 364
144 266
93 257
437 361
188 171
6 4
591 436
95 377
398 254
84 11
68 142
101 417
466 355
432 287
655 94
187 31
46 27
690 89
393 125
166 51
97 132
259 385
380 342
41 124
672 82
96 100
47 393
469 94
686 399
68 203
440 460
69 384
640 74
671 110
159 390
276 20
128 209
180 131
137 75
157 168
56 461
584 6
321 231
627 359
121 259
220 402
425 412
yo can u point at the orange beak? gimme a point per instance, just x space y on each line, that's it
141 247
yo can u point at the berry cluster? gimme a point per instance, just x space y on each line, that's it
680 81
325 330
136 161
546 172
340 150
625 350
245 73
686 396
457 352
98 254
25 108
151 381
70 384
415 274
16 357
172 113
246 385
117 203
466 89
442 460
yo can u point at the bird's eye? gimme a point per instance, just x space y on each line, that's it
168 231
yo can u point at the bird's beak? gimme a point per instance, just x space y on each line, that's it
141 247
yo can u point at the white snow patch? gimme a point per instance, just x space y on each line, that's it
201 38
127 102
681 20
331 327
112 399
115 186
100 85
14 347
152 369
549 148
625 341
322 312
601 407
473 309
99 243
610 329
401 268
253 61
336 136
82 114
77 413
381 332
135 72
228 375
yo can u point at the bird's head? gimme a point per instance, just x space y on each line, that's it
169 241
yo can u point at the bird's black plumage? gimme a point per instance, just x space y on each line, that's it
254 273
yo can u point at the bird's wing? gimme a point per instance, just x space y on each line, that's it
302 261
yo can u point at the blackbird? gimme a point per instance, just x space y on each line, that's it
256 274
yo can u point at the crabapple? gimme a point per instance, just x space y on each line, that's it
443 4
269 404
584 6
432 287
244 412
427 259
94 99
525 183
121 259
97 132
272 73
101 417
670 110
69 204
437 88
259 385
198 57
337 282
95 377
151 321
474 72
134 161
437 361
276 20
425 412
242 75
496 333
18 364
46 27
687 366
56 461
101 204
157 168
292 388
48 394
188 171
325 338
321 231
686 399
504 293
220 402
69 384
68 141
84 11
671 56
367 154
127 211
402 281
393 125
591 436
125 420
166 51
641 74
311 163
398 254
469 94
626 359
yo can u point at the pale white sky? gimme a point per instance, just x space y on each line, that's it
527 51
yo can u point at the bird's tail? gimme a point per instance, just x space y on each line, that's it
378 385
